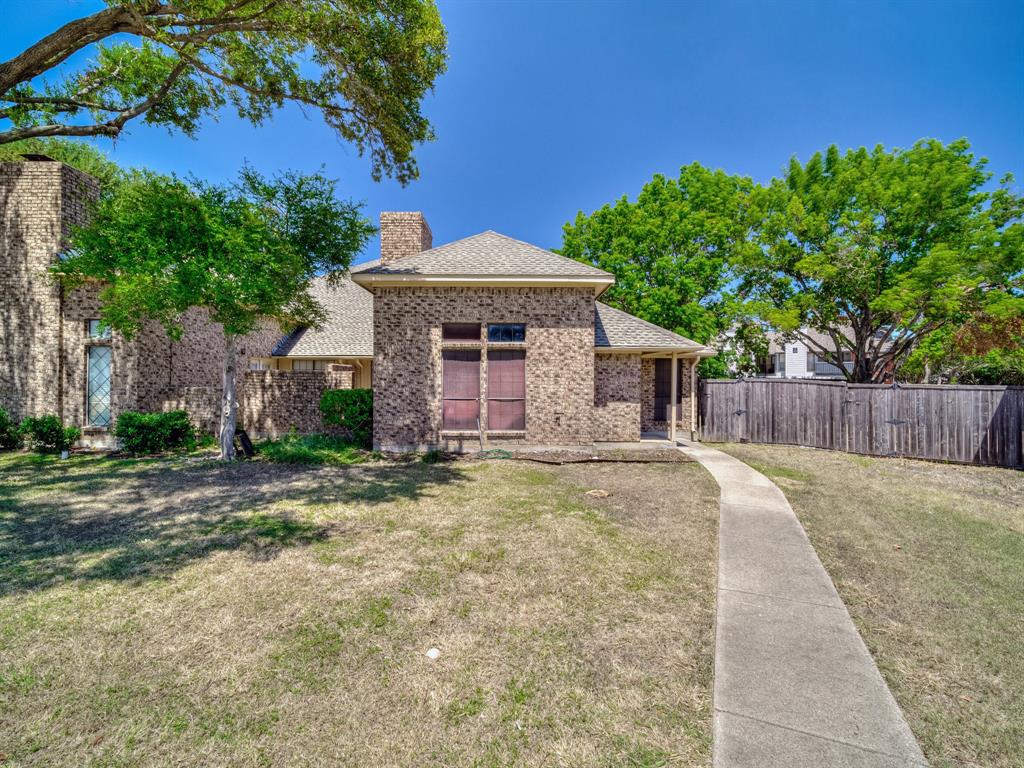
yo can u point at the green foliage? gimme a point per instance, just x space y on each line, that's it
47 434
352 410
146 433
893 245
10 437
364 66
78 154
670 250
245 252
312 449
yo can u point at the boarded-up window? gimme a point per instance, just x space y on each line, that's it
460 331
663 388
506 390
461 393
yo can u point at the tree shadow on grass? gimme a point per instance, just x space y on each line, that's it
96 519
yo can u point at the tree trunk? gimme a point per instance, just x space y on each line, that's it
228 402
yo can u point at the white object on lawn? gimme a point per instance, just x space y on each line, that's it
433 653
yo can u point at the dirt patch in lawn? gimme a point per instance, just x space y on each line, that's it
929 559
181 612
614 455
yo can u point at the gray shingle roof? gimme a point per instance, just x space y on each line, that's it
615 328
348 330
488 254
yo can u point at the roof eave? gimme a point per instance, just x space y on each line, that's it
656 350
508 281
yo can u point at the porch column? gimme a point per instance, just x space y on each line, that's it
672 399
693 398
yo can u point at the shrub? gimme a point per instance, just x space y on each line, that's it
142 433
47 434
10 437
312 449
352 410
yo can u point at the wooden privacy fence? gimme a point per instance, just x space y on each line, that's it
969 424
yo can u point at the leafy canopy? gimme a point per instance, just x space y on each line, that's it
365 65
245 252
879 249
671 249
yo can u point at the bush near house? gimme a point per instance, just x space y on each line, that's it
10 438
352 410
142 433
47 434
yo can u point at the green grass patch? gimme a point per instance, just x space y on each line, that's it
314 449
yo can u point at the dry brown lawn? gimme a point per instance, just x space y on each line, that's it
929 559
177 612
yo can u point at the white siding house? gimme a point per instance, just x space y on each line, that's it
793 360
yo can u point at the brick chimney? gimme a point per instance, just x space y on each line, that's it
403 233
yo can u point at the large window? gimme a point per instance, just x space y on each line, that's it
663 388
98 387
461 388
506 332
506 390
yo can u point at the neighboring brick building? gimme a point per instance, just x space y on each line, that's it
487 338
55 359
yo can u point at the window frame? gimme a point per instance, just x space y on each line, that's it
101 332
494 355
456 338
516 329
461 355
89 394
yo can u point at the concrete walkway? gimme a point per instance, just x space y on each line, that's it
795 685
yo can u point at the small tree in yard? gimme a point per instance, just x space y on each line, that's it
245 253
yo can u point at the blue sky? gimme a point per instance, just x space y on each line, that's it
551 108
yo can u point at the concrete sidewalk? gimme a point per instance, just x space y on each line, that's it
795 685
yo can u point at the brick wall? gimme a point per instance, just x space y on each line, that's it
403 233
407 364
43 357
617 397
39 202
273 403
648 422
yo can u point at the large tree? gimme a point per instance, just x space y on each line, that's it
365 65
671 249
244 253
881 249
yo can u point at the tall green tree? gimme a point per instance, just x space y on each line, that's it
881 249
364 65
671 249
245 253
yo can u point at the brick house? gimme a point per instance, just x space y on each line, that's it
496 339
485 338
